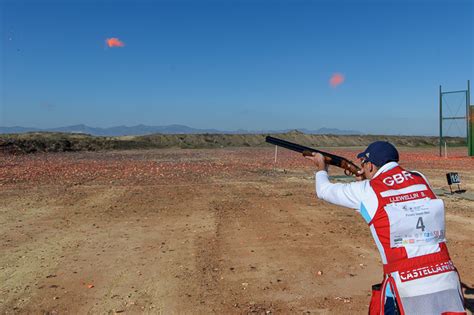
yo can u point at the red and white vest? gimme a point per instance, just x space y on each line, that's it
398 186
408 227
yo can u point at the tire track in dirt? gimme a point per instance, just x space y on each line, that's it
210 247
156 274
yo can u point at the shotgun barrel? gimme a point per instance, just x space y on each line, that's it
336 160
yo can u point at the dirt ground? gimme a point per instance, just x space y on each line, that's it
174 231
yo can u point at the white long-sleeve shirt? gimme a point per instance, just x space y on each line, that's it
356 195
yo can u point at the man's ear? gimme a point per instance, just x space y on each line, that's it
371 167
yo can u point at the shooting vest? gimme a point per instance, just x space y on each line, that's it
409 230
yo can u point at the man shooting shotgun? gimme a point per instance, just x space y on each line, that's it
407 223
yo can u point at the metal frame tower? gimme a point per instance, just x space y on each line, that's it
468 118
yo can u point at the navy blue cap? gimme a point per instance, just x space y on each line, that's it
379 153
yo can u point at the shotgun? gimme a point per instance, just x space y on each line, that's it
332 159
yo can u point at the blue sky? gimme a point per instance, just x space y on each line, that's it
233 64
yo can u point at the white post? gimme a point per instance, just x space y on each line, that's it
276 153
445 150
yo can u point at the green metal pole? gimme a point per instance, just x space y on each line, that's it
470 121
467 116
471 126
440 121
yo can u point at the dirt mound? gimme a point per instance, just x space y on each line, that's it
62 142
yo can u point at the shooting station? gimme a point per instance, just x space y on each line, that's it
456 116
454 179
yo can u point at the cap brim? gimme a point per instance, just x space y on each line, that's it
361 155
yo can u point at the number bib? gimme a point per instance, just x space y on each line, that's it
419 222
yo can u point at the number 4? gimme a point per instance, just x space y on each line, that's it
420 225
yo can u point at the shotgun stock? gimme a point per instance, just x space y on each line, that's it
332 159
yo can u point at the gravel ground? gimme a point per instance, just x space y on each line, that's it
195 231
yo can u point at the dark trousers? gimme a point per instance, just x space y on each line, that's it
390 307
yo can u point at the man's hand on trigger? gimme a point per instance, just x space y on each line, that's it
319 161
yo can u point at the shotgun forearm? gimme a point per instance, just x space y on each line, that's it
336 160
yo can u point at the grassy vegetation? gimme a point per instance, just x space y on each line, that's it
63 142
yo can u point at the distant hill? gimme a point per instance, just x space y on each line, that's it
141 130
